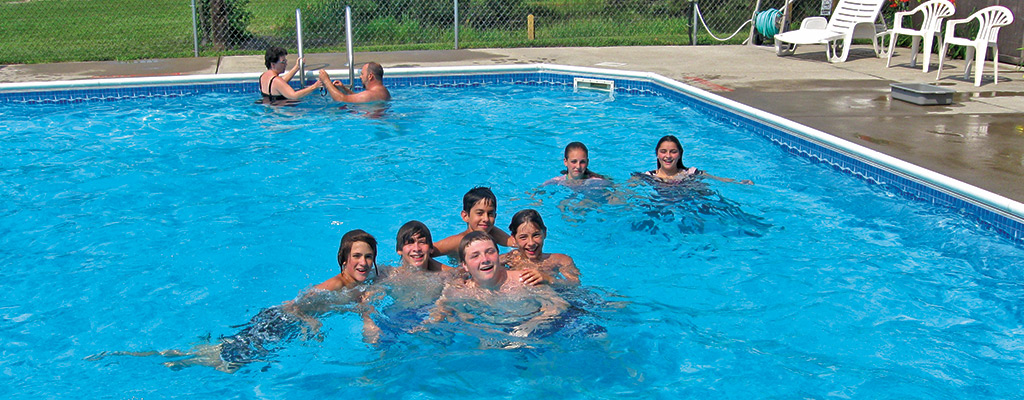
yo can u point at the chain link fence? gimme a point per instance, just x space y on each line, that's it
34 31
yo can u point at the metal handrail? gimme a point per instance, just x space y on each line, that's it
348 46
298 33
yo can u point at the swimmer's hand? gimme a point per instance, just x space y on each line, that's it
525 329
371 333
746 182
324 78
417 329
312 329
533 277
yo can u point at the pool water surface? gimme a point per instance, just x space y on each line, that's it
161 223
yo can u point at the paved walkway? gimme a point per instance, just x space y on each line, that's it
979 139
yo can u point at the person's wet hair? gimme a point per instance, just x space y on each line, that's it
575 146
670 138
471 238
580 146
376 70
274 54
357 235
525 216
409 231
476 194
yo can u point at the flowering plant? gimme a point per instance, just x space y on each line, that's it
904 5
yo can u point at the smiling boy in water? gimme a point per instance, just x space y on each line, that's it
419 278
494 296
414 244
479 209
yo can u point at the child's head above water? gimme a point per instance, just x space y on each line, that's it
668 147
409 232
478 255
358 251
414 243
479 208
478 195
528 231
576 159
528 215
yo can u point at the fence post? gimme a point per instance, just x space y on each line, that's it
529 27
456 24
195 32
693 23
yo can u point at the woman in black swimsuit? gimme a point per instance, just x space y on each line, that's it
275 87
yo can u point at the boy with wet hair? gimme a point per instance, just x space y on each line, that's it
414 245
479 209
493 295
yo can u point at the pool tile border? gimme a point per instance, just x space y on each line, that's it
788 135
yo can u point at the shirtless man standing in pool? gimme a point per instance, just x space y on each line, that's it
372 76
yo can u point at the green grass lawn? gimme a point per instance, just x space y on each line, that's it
37 31
72 30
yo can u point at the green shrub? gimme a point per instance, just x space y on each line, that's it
494 14
223 23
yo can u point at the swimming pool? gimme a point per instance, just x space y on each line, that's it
155 223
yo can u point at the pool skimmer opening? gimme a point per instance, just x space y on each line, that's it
602 85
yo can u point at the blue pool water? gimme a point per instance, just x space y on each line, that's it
161 223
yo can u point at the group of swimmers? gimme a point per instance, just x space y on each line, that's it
523 277
524 273
670 168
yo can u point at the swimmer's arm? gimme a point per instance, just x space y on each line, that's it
343 88
727 180
551 309
287 91
371 332
295 68
437 314
447 245
501 238
533 277
336 93
570 274
301 309
506 259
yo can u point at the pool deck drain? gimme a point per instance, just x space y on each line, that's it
979 139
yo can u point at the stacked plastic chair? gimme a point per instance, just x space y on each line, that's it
990 19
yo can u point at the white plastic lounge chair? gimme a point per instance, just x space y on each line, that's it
852 19
932 14
989 21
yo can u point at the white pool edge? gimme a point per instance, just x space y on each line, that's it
993 201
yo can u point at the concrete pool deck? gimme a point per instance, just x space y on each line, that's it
979 139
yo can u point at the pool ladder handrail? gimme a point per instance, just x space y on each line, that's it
348 47
298 35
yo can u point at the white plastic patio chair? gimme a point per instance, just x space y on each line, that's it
932 14
990 19
852 19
